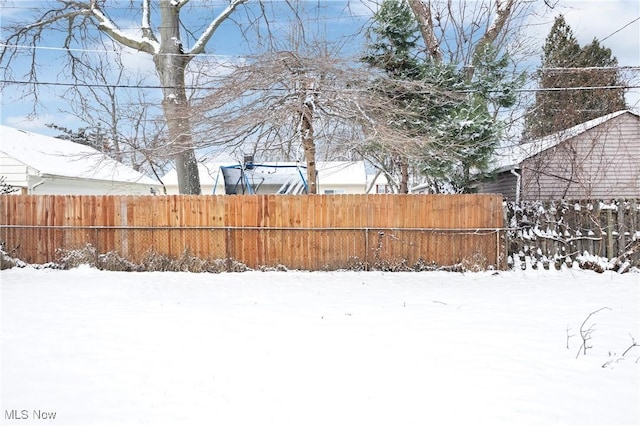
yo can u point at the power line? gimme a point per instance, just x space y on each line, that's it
620 29
208 55
65 49
623 67
189 87
125 49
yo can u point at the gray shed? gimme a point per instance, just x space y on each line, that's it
598 159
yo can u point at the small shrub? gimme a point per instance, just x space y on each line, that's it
276 268
6 261
69 259
476 263
156 262
422 265
354 263
112 261
235 266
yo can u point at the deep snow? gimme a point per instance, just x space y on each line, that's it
319 348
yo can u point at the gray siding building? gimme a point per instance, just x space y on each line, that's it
598 159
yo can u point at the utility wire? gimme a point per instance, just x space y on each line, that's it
571 69
137 86
64 49
620 29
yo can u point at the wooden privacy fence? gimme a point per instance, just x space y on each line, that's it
310 232
567 229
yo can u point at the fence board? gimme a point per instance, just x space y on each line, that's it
304 232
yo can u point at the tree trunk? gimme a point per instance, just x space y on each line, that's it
422 13
171 64
309 145
404 174
113 110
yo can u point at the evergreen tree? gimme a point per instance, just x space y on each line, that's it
450 128
95 138
606 100
393 48
566 65
393 41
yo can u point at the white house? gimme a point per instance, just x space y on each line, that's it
39 164
334 177
342 177
378 183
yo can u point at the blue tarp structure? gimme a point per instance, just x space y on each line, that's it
252 178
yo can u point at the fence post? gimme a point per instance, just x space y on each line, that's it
610 231
97 247
228 249
506 225
634 227
366 249
499 263
622 229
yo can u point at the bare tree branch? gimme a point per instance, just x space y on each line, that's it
422 12
199 46
106 25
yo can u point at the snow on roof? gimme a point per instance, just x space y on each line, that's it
208 173
341 173
58 157
507 158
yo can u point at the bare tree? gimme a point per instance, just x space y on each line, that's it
455 32
286 103
288 106
278 104
84 21
461 33
118 119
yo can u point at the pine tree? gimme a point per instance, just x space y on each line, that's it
567 68
393 48
447 110
393 41
95 138
607 100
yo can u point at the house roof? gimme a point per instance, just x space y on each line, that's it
329 172
342 173
509 157
58 157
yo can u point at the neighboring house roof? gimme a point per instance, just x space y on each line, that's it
329 172
57 157
208 175
342 173
511 157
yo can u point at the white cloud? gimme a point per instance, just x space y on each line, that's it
601 20
138 63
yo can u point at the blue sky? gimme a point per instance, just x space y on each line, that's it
340 21
616 22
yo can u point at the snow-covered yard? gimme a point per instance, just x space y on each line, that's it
319 348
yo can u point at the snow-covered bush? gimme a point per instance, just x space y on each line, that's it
6 261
